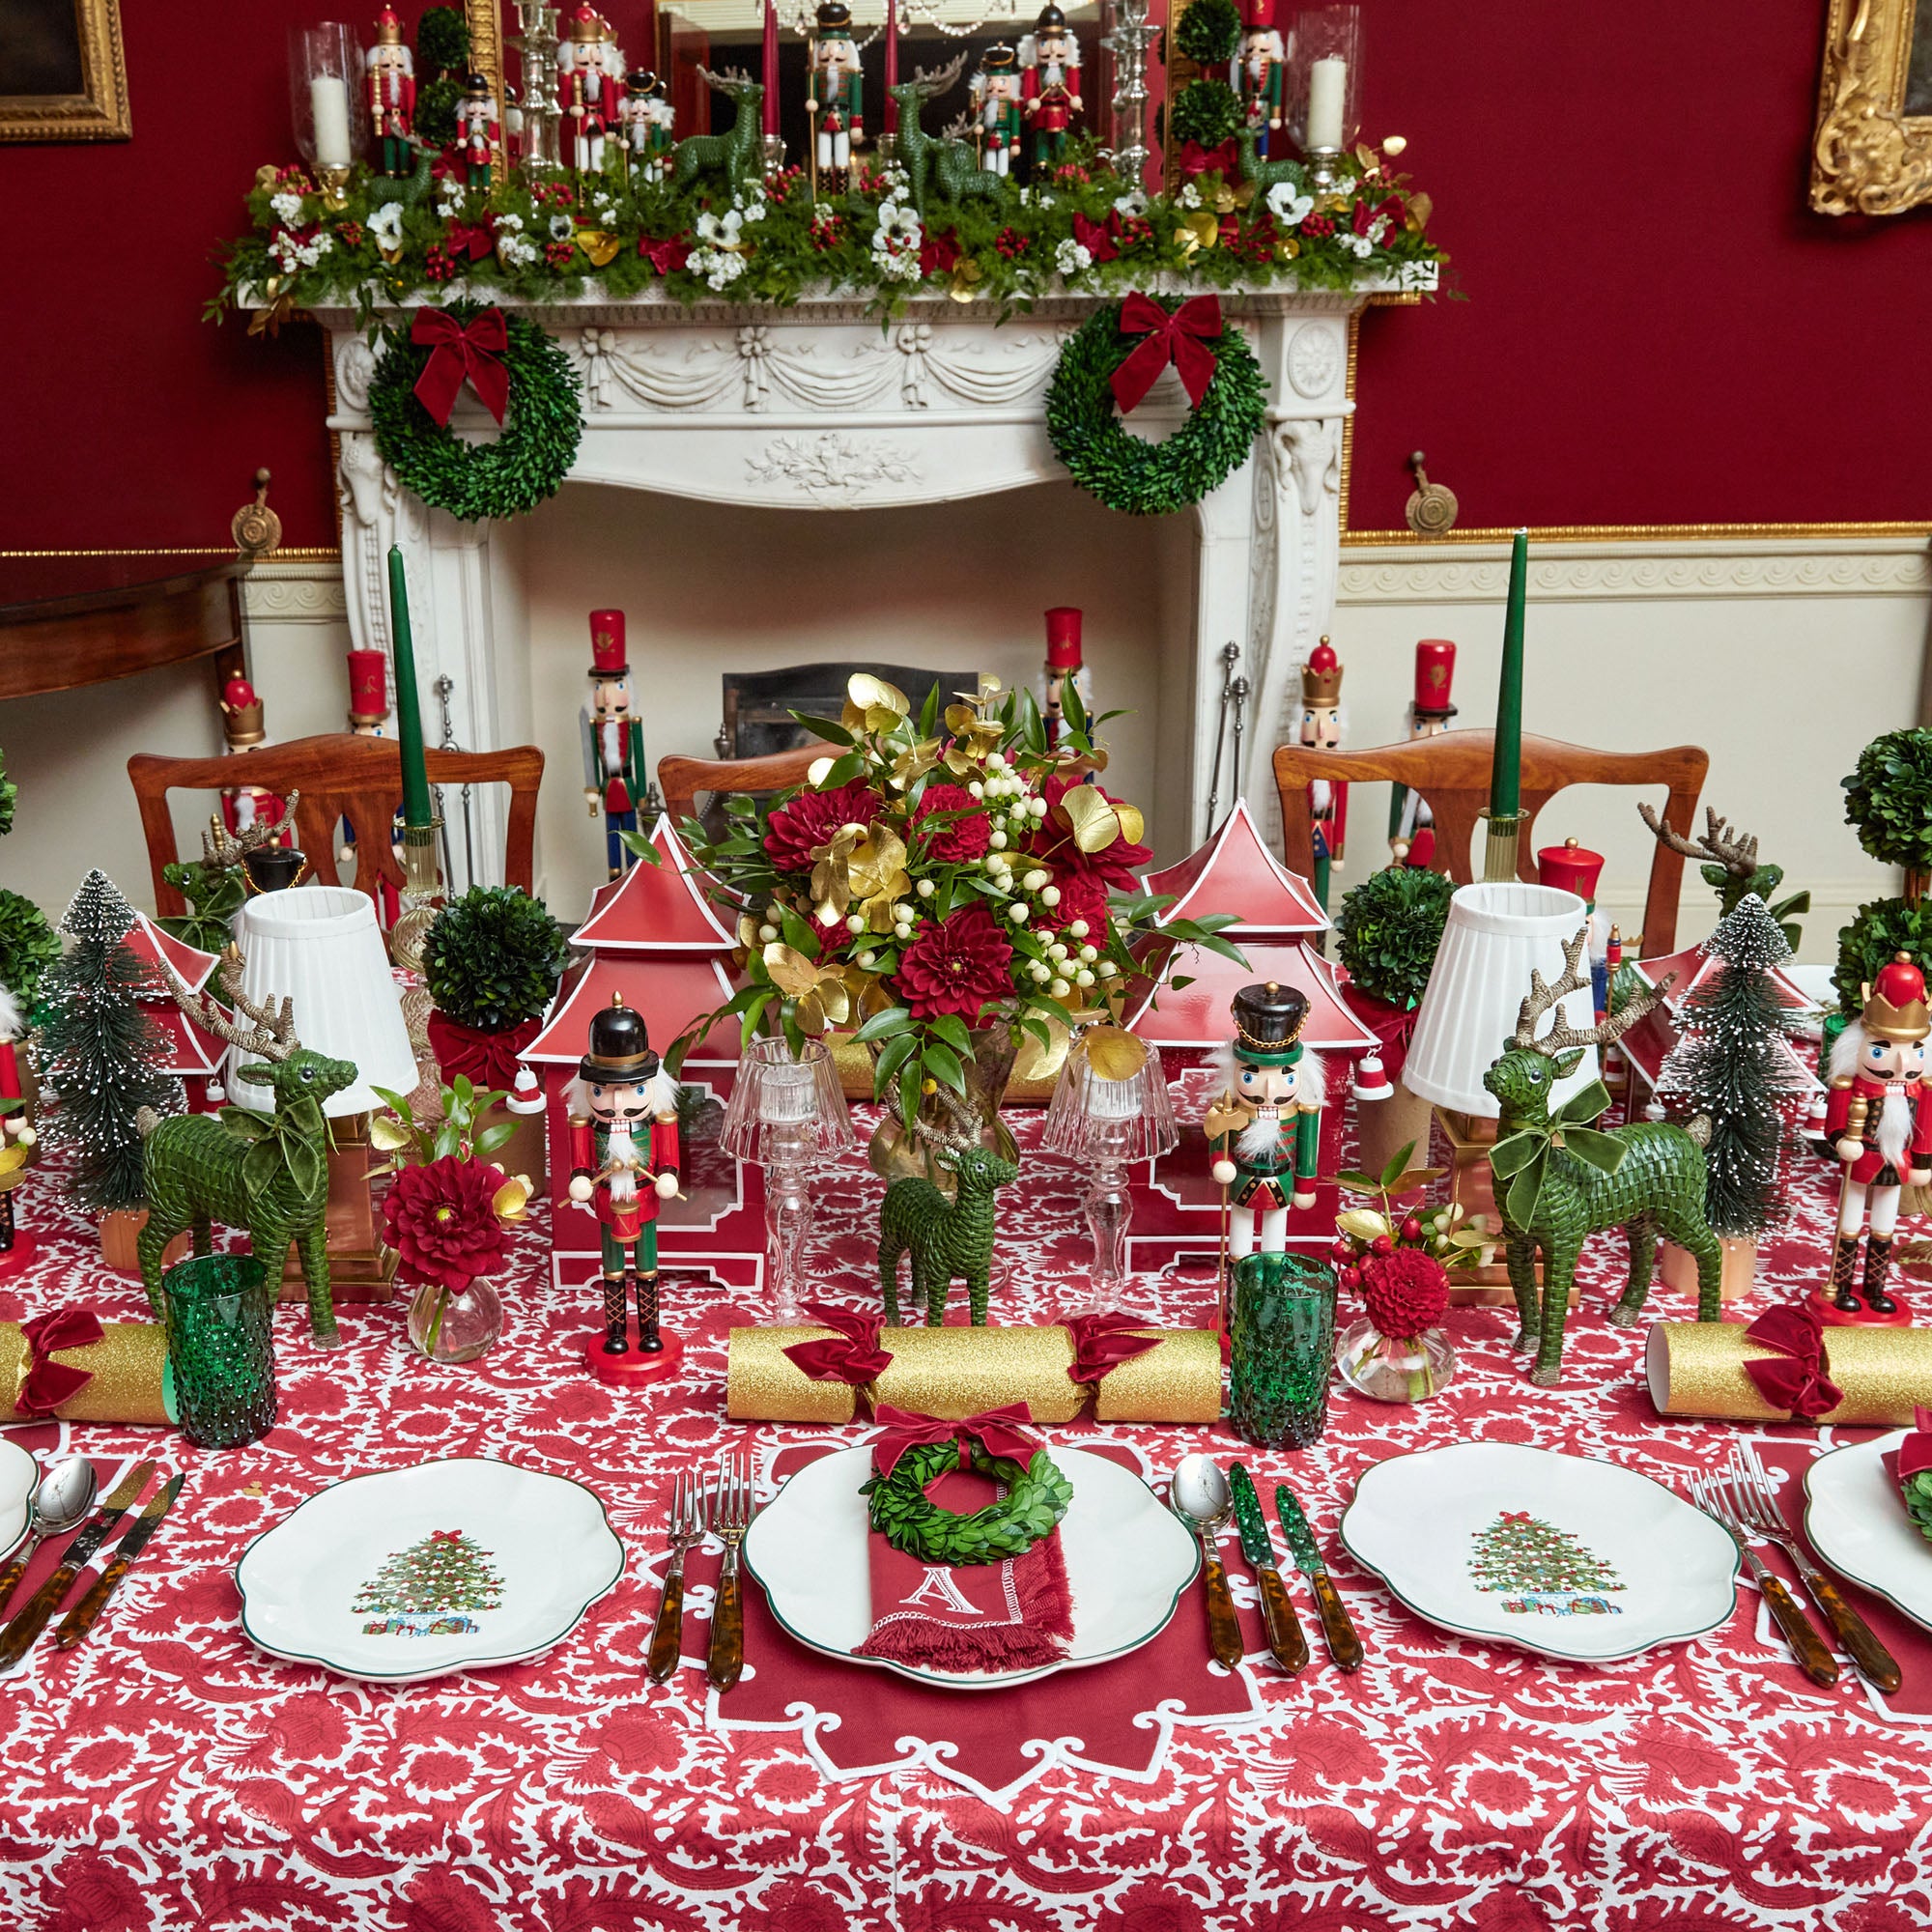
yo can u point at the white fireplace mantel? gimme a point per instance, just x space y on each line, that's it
822 407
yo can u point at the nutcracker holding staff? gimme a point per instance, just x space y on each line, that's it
613 743
1411 823
1263 64
835 92
587 91
647 125
1321 731
389 74
623 1161
1269 1120
1049 84
1879 1122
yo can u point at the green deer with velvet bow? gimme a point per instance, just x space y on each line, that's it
1559 1180
944 1237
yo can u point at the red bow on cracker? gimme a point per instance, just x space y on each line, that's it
851 1354
1795 1377
49 1382
1103 1342
1179 338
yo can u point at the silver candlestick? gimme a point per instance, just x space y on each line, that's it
1130 41
536 40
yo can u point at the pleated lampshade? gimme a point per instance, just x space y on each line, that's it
320 945
1497 934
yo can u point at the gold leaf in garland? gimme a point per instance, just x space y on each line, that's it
1364 1223
1287 249
1415 217
966 279
823 998
1097 821
910 766
872 704
599 245
1200 228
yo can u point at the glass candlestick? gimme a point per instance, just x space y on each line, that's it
1324 86
327 103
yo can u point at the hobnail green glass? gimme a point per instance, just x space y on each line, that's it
1283 1351
221 1349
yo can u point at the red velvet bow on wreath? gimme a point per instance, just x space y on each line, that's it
995 1427
1181 338
460 352
49 1382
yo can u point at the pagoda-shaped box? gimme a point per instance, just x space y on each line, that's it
655 940
193 1053
1179 1210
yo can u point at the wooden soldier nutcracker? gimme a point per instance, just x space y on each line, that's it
613 742
1263 64
585 91
1321 731
477 129
16 1137
996 108
623 1161
1572 868
1411 823
368 713
243 727
834 94
1879 1120
389 74
1267 1121
1064 661
647 125
1049 84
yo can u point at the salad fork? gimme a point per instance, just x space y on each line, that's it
730 1517
1807 1645
687 1526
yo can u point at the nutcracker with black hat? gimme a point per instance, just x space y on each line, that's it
1411 823
1064 666
1879 1122
477 129
622 1109
834 95
1049 85
613 742
646 115
1321 731
995 98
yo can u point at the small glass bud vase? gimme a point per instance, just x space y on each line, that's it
451 1324
1394 1368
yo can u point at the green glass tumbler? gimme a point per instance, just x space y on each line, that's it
1283 1351
221 1349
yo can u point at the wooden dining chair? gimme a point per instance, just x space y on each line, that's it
683 780
1452 773
339 775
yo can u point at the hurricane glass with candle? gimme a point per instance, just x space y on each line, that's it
788 1111
327 103
1324 86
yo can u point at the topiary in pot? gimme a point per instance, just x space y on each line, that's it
28 946
1882 929
1210 32
1888 799
1390 930
1207 111
492 959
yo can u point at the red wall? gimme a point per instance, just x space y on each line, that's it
1655 330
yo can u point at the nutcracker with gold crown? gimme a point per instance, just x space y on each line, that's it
244 729
835 92
1064 664
1267 1122
585 91
647 116
995 97
16 1137
1049 84
1263 66
389 77
477 129
368 713
1411 823
623 1161
613 741
1879 1122
1321 731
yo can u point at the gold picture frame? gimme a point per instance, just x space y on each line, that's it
97 110
1872 151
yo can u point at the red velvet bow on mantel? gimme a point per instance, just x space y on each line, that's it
1224 161
49 1382
1103 1342
1797 1377
462 352
850 1353
1179 338
995 1427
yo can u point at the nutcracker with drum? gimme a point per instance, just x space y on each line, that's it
1321 731
614 781
623 1161
477 129
1065 664
1411 823
1263 64
996 108
389 76
647 116
834 94
1879 1122
243 727
1049 85
1267 1125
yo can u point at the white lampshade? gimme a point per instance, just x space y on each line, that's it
319 945
1497 934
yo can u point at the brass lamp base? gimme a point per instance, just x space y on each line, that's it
361 1266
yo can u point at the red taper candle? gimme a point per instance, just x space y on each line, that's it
771 67
892 65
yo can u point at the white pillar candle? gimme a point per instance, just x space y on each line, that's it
328 107
1328 97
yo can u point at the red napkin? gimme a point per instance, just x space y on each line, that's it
1011 1615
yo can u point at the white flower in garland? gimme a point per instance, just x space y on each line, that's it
291 253
1070 258
385 225
720 230
896 242
896 181
720 268
513 223
1189 195
288 208
1356 245
514 252
1131 206
753 208
1289 205
561 228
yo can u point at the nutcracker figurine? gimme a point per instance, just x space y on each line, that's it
477 129
835 92
647 125
244 806
613 742
17 1135
586 93
1572 868
1879 1120
1049 84
1063 661
624 1161
996 108
1411 823
1321 731
1263 64
1269 1120
388 71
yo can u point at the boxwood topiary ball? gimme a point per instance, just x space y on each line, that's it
493 958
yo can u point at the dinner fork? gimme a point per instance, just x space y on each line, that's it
730 1517
687 1526
1807 1645
1757 1507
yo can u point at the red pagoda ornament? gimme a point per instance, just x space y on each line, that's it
193 1053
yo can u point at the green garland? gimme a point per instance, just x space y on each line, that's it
1035 1499
472 481
1151 480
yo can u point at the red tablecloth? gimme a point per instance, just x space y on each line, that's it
167 1776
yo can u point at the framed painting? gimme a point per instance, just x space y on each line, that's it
1872 151
63 76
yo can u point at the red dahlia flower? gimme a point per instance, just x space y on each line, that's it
1081 896
956 965
811 819
959 839
1403 1292
1053 844
439 1219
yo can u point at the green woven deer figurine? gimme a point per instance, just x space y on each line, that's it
946 1237
1560 1181
948 167
266 1173
739 151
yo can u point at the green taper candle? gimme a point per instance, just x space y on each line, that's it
408 701
1506 765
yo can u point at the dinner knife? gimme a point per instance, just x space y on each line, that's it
20 1635
80 1619
1345 1646
1284 1627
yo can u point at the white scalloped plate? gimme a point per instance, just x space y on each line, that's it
1856 1521
20 1474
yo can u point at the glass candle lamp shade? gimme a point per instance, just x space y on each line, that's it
326 96
787 1111
1325 78
1109 1120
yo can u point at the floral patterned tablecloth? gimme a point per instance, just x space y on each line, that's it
166 1775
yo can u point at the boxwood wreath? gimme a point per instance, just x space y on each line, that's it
503 478
1035 1499
1151 480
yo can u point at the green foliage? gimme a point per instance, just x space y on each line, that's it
1880 929
1888 799
443 45
213 894
435 119
1917 1490
1390 928
1207 112
1035 1499
472 481
458 1133
1210 32
1151 480
28 946
9 793
492 957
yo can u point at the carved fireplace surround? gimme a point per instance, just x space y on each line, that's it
821 407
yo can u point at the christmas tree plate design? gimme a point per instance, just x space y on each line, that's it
415 1573
1128 1559
1567 1557
1856 1520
